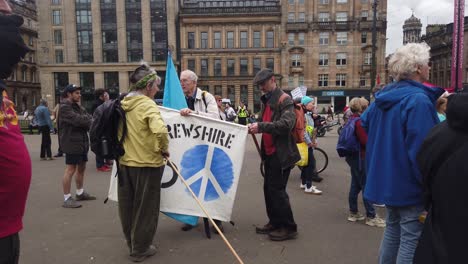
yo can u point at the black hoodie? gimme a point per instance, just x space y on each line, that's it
443 163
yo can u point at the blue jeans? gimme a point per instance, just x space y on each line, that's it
358 183
401 235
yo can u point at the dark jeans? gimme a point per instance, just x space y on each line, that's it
139 196
310 171
242 120
9 249
358 183
276 199
46 142
99 161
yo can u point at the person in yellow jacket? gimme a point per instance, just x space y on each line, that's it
141 167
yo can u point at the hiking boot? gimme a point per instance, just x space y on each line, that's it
376 221
187 227
313 190
282 234
317 179
148 253
355 217
71 203
104 168
85 197
266 229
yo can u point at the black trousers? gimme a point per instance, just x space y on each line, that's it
46 142
276 199
242 120
9 249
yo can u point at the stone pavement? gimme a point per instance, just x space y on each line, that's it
92 234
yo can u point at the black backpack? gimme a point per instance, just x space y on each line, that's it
104 130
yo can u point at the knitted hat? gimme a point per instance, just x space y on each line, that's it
306 99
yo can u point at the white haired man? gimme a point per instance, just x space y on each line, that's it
397 123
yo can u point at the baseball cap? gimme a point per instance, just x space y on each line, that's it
71 88
262 76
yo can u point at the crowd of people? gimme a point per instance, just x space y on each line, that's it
410 158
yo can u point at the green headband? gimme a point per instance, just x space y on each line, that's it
143 82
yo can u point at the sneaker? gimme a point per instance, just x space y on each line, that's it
379 205
50 158
376 221
104 169
266 229
355 217
148 253
85 197
282 234
71 203
313 190
302 186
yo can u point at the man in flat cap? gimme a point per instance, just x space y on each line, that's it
279 152
74 123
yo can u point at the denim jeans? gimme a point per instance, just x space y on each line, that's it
401 235
358 183
309 171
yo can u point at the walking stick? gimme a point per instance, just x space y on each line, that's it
262 171
171 164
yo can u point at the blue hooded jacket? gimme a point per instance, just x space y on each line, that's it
397 123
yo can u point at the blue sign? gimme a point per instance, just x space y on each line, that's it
332 93
220 171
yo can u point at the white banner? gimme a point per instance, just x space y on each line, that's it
209 154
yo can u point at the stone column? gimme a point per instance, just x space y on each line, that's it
99 80
123 81
121 30
146 29
96 25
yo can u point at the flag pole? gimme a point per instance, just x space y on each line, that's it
171 164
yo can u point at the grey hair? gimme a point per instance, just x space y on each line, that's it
191 75
358 104
43 102
140 72
406 60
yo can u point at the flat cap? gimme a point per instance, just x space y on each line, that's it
262 76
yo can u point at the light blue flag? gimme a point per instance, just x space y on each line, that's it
173 94
174 98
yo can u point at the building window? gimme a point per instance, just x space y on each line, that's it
87 81
301 38
85 55
24 73
290 81
230 39
56 2
191 40
83 17
324 2
301 17
191 65
204 40
59 56
231 94
244 93
341 38
296 60
301 80
323 38
362 81
270 64
367 58
291 2
291 39
218 90
341 80
324 17
270 39
243 39
111 55
204 67
341 59
364 1
111 82
31 40
341 1
217 40
257 65
33 76
364 15
231 63
257 39
58 37
323 59
217 67
291 18
244 67
341 16
84 37
56 17
364 38
323 80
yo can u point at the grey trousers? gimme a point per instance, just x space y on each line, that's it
139 196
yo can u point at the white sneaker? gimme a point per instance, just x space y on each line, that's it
379 205
355 217
376 221
313 190
302 186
